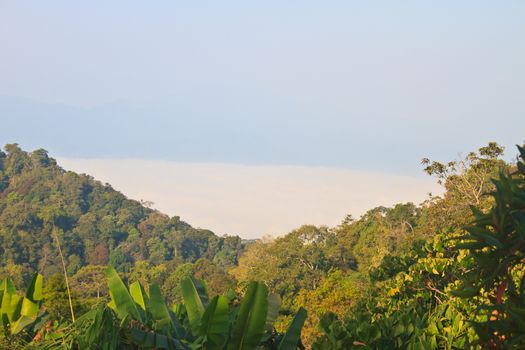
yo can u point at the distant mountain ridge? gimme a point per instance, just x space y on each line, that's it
96 224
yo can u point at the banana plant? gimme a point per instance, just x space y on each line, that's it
146 319
250 324
199 323
209 321
244 328
16 311
136 319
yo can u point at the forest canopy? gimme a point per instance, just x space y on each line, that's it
444 274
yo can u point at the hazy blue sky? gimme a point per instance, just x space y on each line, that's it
361 85
375 84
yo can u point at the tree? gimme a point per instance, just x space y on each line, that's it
146 274
171 286
92 220
99 255
217 280
57 298
15 272
467 182
288 264
90 282
119 260
158 253
496 247
337 293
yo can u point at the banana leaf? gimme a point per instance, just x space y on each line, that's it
293 334
122 302
215 323
250 323
193 303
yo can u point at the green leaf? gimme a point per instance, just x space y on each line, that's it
21 323
519 223
29 308
11 302
484 236
202 290
8 286
465 292
399 329
34 291
472 245
249 326
138 294
7 289
274 304
215 323
521 149
123 303
146 339
192 302
158 309
30 304
521 167
293 334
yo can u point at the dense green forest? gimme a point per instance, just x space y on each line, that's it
448 273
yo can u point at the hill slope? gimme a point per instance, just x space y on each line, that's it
97 224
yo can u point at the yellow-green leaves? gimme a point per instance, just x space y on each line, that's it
17 312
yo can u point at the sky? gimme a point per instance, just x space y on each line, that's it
347 86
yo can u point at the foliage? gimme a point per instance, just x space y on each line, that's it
18 312
288 264
95 224
496 246
378 233
466 181
414 302
89 282
401 277
56 297
410 309
337 293
136 319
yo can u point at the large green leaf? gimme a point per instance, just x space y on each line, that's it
293 334
192 302
19 311
8 291
122 302
11 303
8 286
180 332
250 322
31 303
274 304
29 308
146 339
138 294
215 323
34 291
158 309
202 289
21 323
98 330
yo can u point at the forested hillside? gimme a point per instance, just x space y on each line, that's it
96 224
448 273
